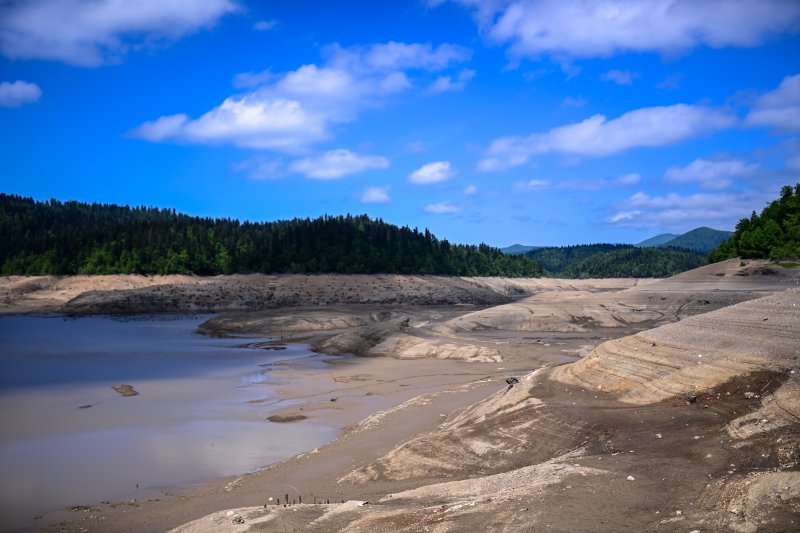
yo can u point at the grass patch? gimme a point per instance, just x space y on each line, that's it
788 264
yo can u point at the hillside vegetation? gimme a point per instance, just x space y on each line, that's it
615 261
774 234
38 238
699 239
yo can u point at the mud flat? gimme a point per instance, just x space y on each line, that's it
672 405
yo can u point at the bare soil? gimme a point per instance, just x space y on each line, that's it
671 405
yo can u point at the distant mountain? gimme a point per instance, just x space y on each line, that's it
658 240
556 259
518 249
700 239
615 260
636 262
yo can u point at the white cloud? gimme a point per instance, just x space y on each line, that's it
711 174
444 84
18 93
336 164
261 168
265 25
602 28
442 208
620 77
683 212
780 108
375 195
251 121
626 180
469 190
94 32
597 136
246 80
531 185
432 173
623 216
394 56
290 112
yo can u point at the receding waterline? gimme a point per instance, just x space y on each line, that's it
70 439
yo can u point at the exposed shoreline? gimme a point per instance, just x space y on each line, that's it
431 424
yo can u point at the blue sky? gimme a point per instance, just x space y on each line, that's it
498 121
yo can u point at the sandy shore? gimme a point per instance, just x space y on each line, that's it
666 406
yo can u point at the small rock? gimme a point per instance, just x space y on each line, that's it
749 395
658 435
631 478
238 519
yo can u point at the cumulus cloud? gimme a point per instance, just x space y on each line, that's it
337 164
18 93
290 112
432 173
598 136
602 28
711 174
442 208
375 195
779 109
620 77
93 32
682 212
444 84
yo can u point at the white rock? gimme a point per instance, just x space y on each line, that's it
631 478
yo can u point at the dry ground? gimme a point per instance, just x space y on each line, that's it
678 410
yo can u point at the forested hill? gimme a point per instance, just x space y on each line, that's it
55 237
775 234
615 261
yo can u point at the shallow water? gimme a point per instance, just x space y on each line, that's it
192 420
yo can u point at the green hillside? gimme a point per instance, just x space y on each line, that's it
77 238
615 260
700 239
774 234
658 240
518 249
636 262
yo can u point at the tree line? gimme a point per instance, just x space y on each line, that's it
615 261
774 234
54 237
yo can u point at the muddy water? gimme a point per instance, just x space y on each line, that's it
69 439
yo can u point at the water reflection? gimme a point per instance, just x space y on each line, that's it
190 422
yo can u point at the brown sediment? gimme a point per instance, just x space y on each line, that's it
125 390
286 418
678 409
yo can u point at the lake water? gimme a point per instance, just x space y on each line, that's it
192 420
